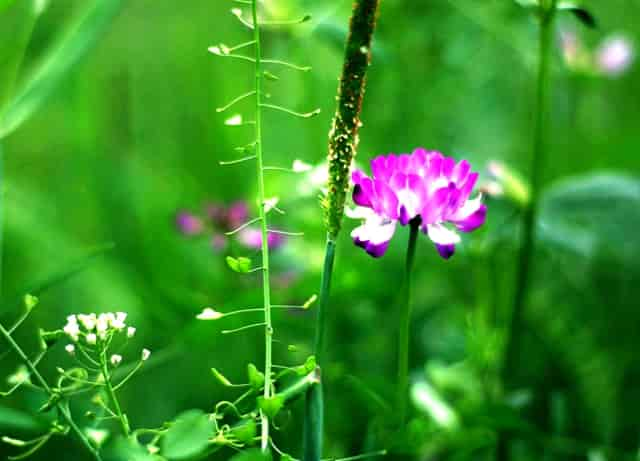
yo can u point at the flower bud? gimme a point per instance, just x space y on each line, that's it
116 359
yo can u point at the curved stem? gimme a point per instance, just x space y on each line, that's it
124 423
525 257
405 322
266 294
64 411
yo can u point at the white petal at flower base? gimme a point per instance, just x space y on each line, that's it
441 235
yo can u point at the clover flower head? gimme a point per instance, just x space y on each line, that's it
423 188
189 224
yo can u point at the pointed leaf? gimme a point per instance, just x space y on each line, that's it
80 37
580 12
188 436
241 264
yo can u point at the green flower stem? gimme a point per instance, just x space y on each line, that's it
62 408
314 401
111 393
530 214
405 323
266 293
323 303
343 144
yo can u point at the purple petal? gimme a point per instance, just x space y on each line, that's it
461 170
363 193
474 220
189 224
446 251
382 167
448 164
386 202
377 250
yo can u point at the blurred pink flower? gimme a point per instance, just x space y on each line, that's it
189 224
251 237
615 55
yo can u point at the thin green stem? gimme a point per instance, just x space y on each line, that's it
111 393
62 408
323 302
266 286
314 398
525 257
405 322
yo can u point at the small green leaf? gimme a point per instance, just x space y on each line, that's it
221 378
307 367
272 405
580 12
269 76
528 3
188 436
30 302
241 264
254 454
127 450
256 377
246 431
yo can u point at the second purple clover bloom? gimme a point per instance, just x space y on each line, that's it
424 188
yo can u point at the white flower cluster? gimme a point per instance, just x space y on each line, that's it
93 327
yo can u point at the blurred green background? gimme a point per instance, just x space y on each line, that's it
129 135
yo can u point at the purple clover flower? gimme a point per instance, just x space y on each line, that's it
252 238
424 188
189 224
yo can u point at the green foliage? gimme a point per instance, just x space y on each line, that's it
188 435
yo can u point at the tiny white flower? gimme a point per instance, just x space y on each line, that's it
116 359
131 331
72 320
70 348
209 314
145 354
73 330
91 338
102 323
118 321
87 321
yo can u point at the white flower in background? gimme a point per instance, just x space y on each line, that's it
91 338
118 321
614 56
88 321
131 331
209 314
146 353
72 328
115 359
102 325
70 348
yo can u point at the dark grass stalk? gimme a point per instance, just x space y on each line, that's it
530 214
403 333
343 145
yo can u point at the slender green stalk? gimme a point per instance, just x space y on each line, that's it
314 402
124 423
266 286
343 145
62 408
325 288
405 323
525 258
